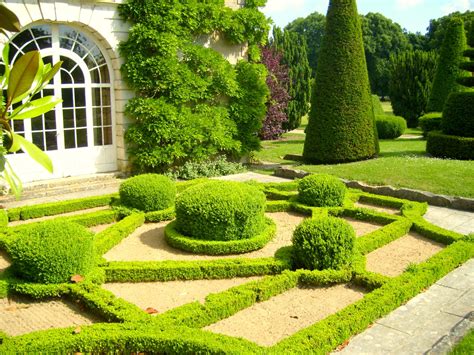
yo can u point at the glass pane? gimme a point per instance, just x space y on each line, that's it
95 76
68 118
38 139
37 123
66 95
78 75
90 61
79 50
44 42
81 117
96 116
65 43
81 138
18 126
69 139
105 97
22 37
98 136
48 92
106 116
66 78
41 30
95 97
50 120
68 63
84 41
104 74
51 140
99 58
31 46
107 135
80 97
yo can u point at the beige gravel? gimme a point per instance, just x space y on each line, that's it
4 261
378 208
148 242
393 258
100 227
20 315
362 228
163 296
268 322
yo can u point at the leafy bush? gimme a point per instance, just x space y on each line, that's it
220 210
3 218
443 145
377 105
458 114
207 168
321 191
52 252
430 122
447 69
411 74
390 127
148 192
324 243
341 123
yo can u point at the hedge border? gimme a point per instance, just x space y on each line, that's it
217 247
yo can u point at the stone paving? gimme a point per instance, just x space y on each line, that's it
455 220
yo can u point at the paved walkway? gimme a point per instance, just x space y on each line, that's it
428 323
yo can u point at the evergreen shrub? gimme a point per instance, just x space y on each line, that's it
390 127
220 210
443 145
447 69
321 191
3 218
458 114
430 122
148 192
323 243
52 251
341 124
377 106
207 168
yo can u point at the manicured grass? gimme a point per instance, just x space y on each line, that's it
465 346
402 163
416 131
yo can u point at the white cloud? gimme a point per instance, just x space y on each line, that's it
406 4
456 5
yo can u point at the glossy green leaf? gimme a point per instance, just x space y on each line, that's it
6 74
49 74
12 180
8 20
34 152
23 75
35 108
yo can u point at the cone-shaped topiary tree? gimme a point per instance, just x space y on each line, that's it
341 125
451 55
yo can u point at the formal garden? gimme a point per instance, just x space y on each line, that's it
177 262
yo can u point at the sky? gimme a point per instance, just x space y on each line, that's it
413 15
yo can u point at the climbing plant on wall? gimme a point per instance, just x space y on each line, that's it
191 102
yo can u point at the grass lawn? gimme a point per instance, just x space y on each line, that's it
465 346
402 163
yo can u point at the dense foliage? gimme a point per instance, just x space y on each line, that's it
458 114
207 168
323 243
389 126
277 81
448 146
412 74
53 251
377 106
430 122
341 124
220 210
148 192
438 27
191 102
321 191
294 49
447 69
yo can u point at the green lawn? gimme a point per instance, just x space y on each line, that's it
402 163
465 346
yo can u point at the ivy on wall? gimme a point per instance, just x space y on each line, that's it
191 102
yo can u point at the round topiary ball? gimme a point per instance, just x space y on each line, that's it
325 243
321 191
148 192
390 127
221 210
53 251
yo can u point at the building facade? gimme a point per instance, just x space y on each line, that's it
85 133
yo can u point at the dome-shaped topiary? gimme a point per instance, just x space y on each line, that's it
221 210
148 192
458 114
52 252
321 191
324 243
390 127
341 125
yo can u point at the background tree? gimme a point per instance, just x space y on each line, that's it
294 55
411 78
447 71
437 29
341 123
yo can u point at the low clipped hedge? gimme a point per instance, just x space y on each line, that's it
323 243
218 247
390 127
3 218
446 146
430 122
221 210
458 114
52 252
148 192
321 191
